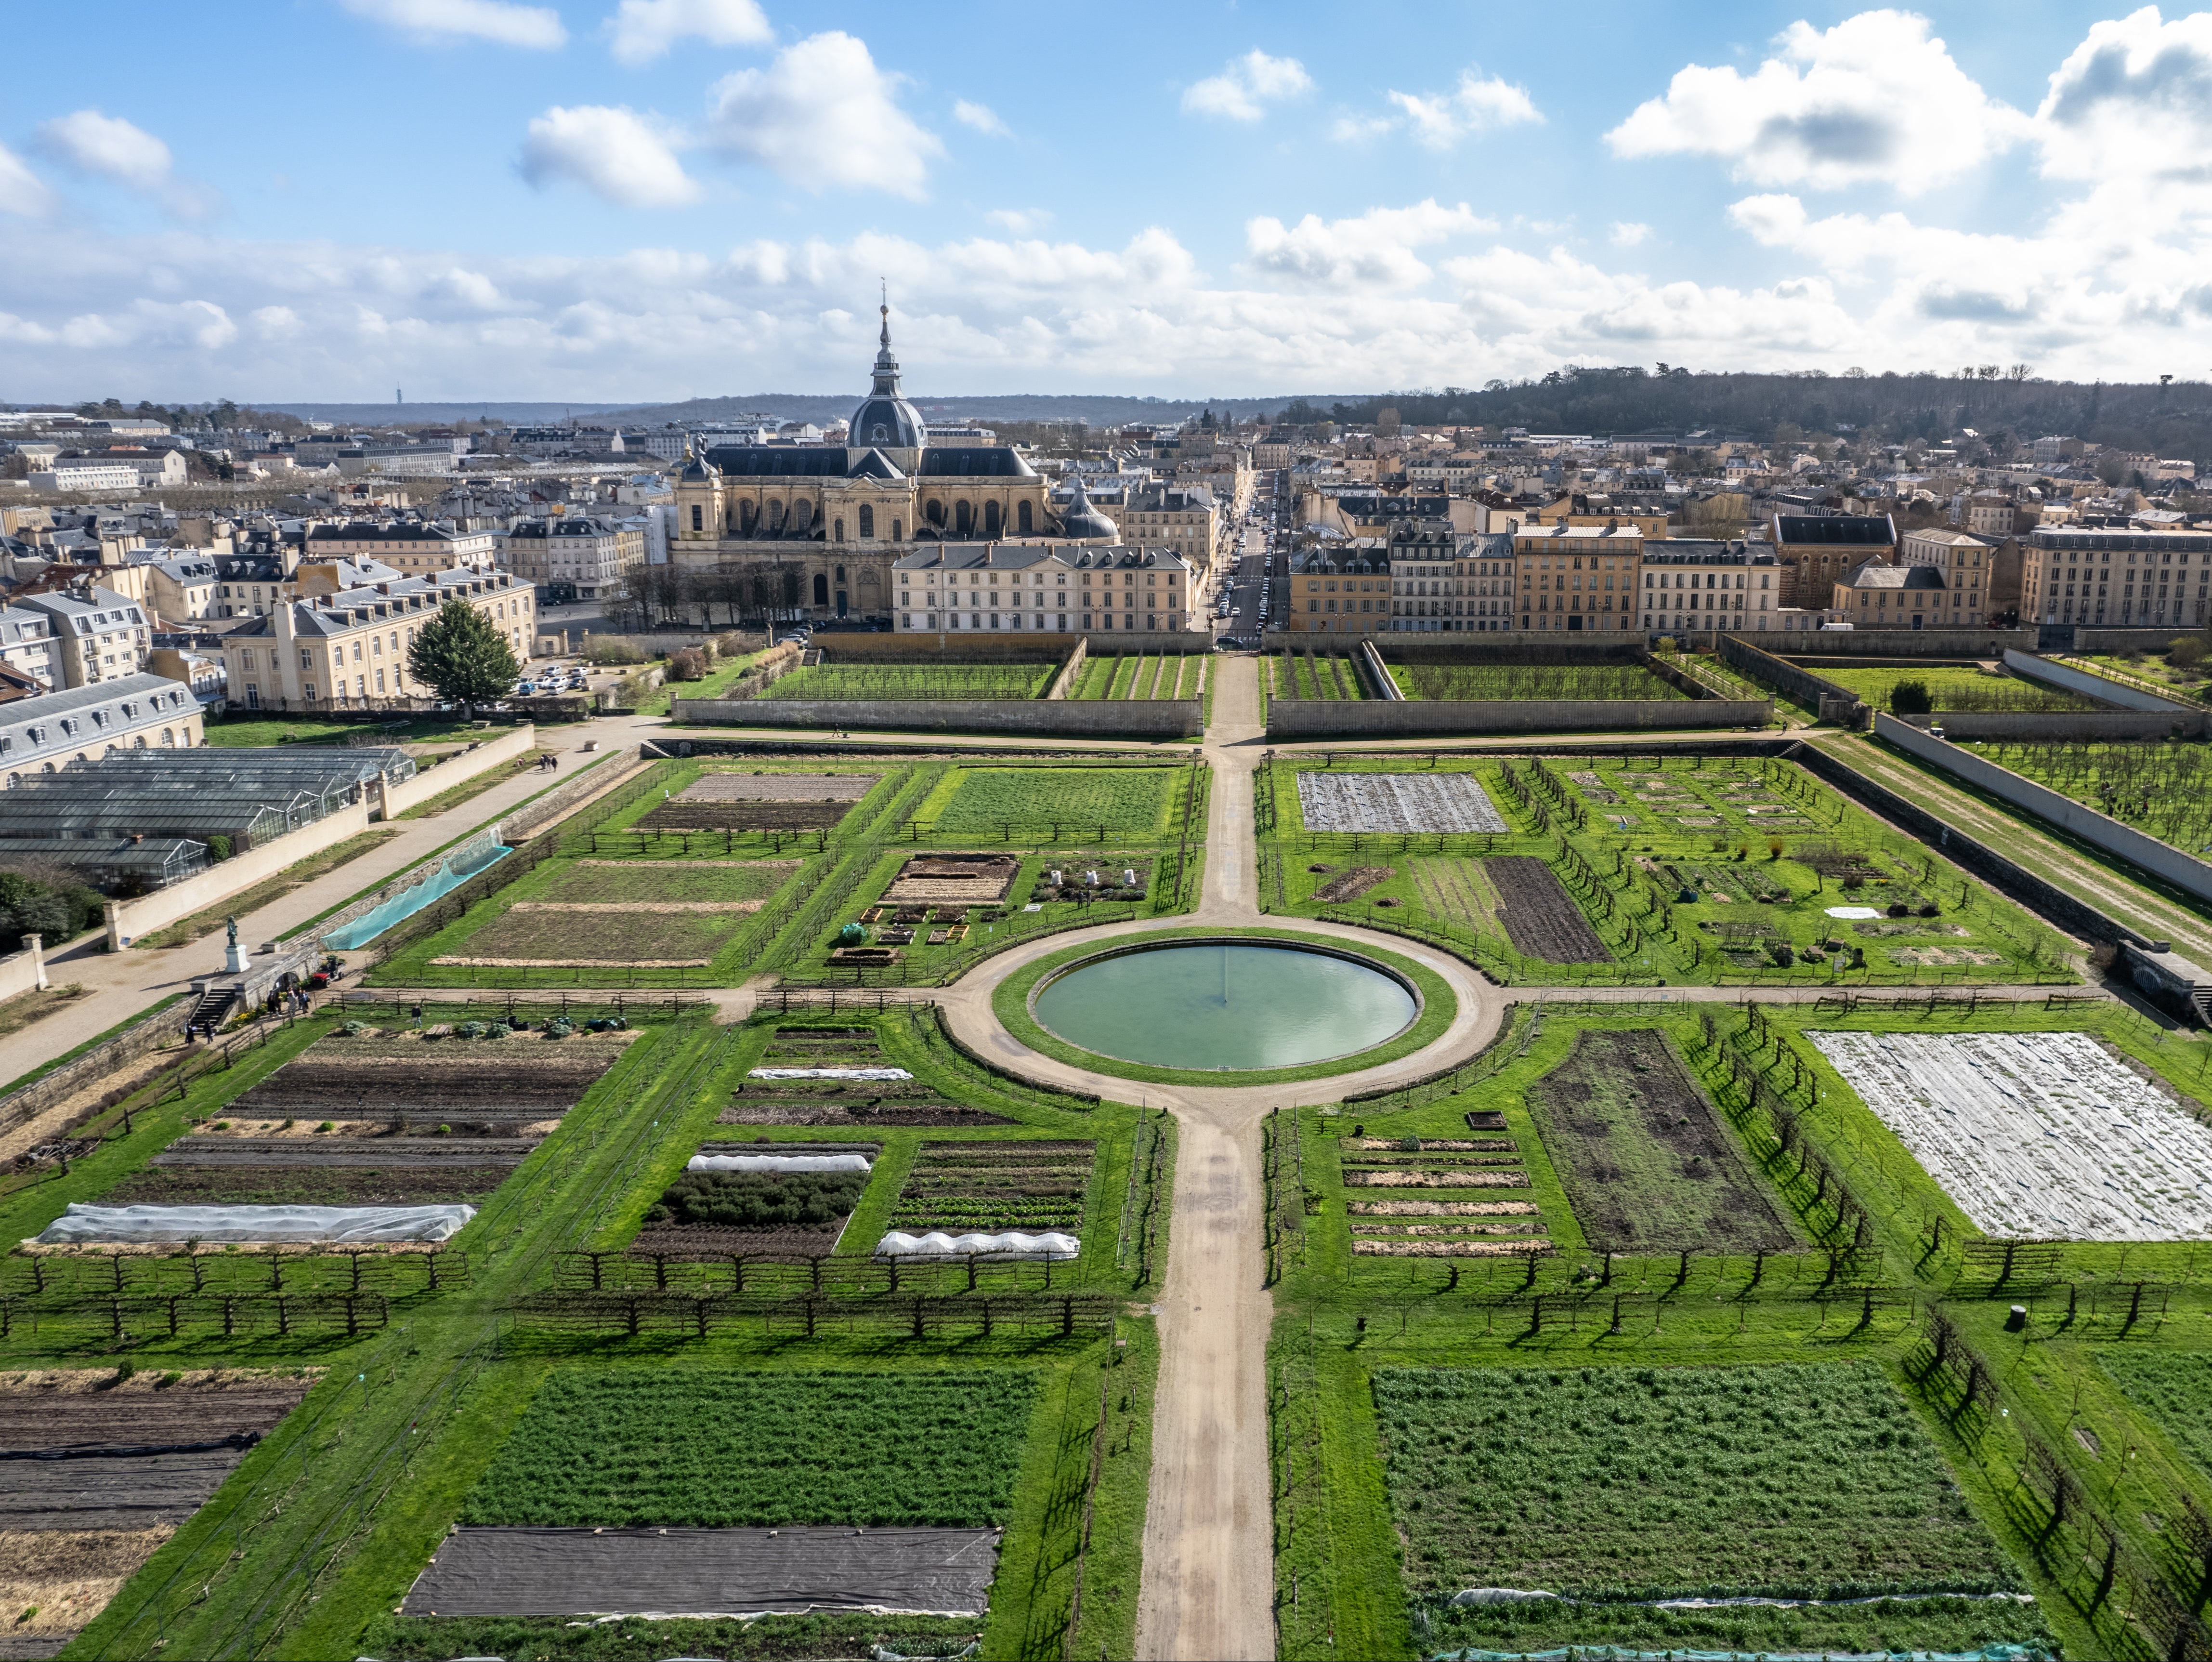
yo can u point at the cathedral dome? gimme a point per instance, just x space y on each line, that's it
1084 523
885 419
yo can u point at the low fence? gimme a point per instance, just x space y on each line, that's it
1329 718
2161 860
1096 718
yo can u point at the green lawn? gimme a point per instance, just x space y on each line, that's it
1131 802
243 730
1485 681
1954 687
900 683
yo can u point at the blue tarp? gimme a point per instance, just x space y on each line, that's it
455 869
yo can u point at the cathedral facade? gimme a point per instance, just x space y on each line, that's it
815 530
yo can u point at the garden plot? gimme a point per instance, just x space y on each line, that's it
332 1172
668 936
740 885
1398 1227
991 1199
97 1471
408 1079
1344 887
736 1199
779 788
1646 1163
2037 1135
959 879
761 802
1599 1489
2175 1388
982 800
840 1102
1540 917
1397 802
1455 889
877 1450
708 1572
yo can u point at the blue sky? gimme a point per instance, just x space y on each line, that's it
659 198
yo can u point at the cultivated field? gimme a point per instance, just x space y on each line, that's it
1954 687
2038 1135
1610 1487
407 1079
1333 801
1308 674
985 1188
1648 1164
630 882
671 935
1564 681
847 1101
972 801
715 1213
874 1450
905 682
1157 676
1540 917
2175 1389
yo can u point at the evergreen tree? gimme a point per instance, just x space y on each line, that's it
463 657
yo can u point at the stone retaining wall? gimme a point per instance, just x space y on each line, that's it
1096 718
1331 718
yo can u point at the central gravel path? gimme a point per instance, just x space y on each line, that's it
1209 1559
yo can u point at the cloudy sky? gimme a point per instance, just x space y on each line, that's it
662 199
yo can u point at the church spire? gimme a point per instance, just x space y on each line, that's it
887 369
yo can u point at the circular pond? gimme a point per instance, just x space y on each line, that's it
1228 1005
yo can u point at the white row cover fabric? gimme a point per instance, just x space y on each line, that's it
938 1244
777 1163
829 1073
256 1223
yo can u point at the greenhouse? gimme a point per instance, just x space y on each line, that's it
249 796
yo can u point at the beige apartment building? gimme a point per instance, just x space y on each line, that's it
2120 578
1579 578
98 634
349 650
407 546
1964 560
1041 588
580 557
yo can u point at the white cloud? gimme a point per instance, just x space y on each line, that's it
1374 251
1477 105
981 117
1629 232
822 115
2134 97
1874 100
643 29
1020 221
108 147
21 191
536 27
1246 86
622 157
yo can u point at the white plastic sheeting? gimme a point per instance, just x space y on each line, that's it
937 1244
1854 911
256 1223
777 1163
829 1073
2036 1134
1396 803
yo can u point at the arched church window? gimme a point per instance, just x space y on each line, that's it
963 518
821 589
775 516
868 521
841 574
839 526
746 509
698 517
935 511
802 514
1023 519
897 530
990 519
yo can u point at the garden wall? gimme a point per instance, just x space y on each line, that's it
2090 685
1331 718
1070 670
2060 724
128 919
994 646
1096 718
24 971
2124 640
459 768
1835 703
2160 859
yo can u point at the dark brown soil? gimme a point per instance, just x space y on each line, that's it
1352 884
750 1110
1647 1164
745 816
694 1243
324 1085
1540 917
305 1185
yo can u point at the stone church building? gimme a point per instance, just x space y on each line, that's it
817 529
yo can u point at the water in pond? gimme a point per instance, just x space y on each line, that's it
1212 1006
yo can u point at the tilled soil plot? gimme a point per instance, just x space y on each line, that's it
305 1185
981 1186
747 1109
128 1458
1646 1163
1456 889
1397 802
630 935
745 816
60 1578
459 1079
1540 917
779 788
425 1153
1349 886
